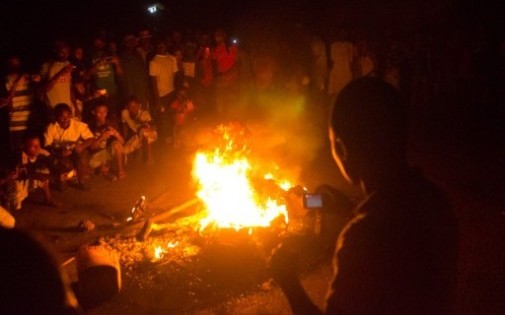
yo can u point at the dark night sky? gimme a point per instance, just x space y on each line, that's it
29 25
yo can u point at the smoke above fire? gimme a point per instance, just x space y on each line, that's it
286 130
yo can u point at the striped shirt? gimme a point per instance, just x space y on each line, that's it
21 103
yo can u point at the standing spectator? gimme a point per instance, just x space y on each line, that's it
179 78
189 59
19 100
145 48
136 81
319 65
105 73
139 129
56 75
342 57
68 141
112 48
108 144
398 254
204 62
181 108
176 40
366 59
225 56
203 88
77 59
162 70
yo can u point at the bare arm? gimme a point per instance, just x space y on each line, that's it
51 82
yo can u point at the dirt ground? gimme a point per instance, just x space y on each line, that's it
231 279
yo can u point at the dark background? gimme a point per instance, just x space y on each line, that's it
29 27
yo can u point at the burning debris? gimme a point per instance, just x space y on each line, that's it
226 185
138 210
238 200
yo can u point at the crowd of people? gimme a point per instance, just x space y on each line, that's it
88 109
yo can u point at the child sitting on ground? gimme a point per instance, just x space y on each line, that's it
32 172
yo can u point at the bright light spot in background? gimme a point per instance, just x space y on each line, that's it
153 8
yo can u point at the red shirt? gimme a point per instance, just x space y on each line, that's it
225 57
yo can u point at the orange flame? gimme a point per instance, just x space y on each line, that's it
225 188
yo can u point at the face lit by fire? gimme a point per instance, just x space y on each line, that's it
100 113
64 119
339 153
32 146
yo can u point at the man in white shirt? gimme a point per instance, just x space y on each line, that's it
162 70
68 140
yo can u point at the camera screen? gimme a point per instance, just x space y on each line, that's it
313 201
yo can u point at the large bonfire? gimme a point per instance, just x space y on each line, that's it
225 179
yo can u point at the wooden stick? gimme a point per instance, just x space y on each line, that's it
173 211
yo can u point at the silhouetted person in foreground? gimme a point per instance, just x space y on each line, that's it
31 280
398 254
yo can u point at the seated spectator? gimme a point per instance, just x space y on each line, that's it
139 129
32 282
68 141
181 108
108 146
33 172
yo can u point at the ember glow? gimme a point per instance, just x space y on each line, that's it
225 188
159 252
284 185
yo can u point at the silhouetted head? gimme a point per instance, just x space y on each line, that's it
220 36
368 132
161 46
31 281
62 51
14 64
130 41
